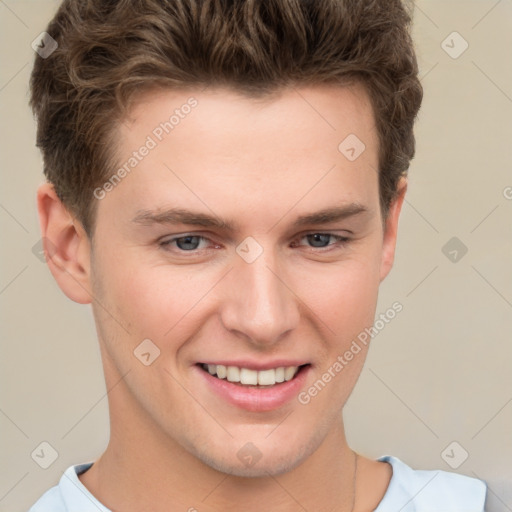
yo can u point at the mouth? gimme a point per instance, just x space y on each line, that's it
256 390
246 377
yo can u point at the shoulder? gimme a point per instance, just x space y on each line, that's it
50 501
431 490
70 495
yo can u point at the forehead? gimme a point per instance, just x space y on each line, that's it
219 148
323 107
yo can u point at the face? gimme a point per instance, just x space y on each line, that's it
246 238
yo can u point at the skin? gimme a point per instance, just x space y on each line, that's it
261 163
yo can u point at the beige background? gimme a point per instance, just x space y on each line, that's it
438 373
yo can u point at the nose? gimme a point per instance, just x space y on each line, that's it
259 303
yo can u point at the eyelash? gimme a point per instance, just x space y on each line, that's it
341 241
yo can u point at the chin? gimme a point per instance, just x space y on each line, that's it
262 468
250 462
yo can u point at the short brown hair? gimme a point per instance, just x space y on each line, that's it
108 50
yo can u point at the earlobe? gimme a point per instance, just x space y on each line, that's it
391 230
66 246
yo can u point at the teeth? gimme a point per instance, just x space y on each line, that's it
267 377
221 371
289 372
249 377
233 374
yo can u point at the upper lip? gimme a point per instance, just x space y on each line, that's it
258 365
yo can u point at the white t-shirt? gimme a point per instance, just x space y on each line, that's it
408 491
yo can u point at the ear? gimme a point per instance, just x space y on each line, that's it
66 245
391 230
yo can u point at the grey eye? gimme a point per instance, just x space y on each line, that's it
190 242
319 239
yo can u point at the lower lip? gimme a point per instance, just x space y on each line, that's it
257 399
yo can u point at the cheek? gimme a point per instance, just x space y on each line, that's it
344 300
158 301
343 295
155 301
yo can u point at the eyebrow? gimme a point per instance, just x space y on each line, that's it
194 218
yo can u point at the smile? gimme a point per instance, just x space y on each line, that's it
248 377
254 386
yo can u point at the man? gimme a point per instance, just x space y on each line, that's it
224 186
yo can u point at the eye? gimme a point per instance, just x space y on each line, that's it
320 240
191 243
186 243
